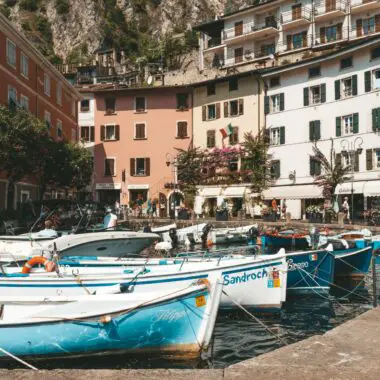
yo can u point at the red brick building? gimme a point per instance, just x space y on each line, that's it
29 80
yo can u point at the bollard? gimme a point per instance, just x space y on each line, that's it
374 278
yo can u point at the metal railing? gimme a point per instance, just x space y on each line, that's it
329 37
243 29
213 42
248 56
302 13
357 3
325 6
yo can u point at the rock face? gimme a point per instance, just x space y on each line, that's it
79 27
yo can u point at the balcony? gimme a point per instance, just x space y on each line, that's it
250 56
213 44
363 30
358 6
242 32
330 9
297 17
330 36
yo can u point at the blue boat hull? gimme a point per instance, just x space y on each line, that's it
169 327
352 263
310 272
287 242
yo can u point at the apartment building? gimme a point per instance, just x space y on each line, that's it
137 131
333 102
31 82
278 29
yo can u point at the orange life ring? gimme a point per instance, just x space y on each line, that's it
38 260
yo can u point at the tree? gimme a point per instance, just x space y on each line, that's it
256 163
333 172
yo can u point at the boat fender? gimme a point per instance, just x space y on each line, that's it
209 243
50 266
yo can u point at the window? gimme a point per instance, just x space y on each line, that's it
109 167
375 53
368 25
140 167
211 139
58 93
12 97
11 53
85 105
87 134
211 112
140 131
73 108
275 169
315 130
110 105
233 165
59 128
140 104
297 40
238 55
296 11
376 119
376 79
277 136
24 65
211 89
377 158
315 94
347 123
345 63
25 196
233 84
275 103
273 82
347 87
182 101
46 84
315 167
314 72
47 118
110 132
234 108
332 33
24 102
181 129
234 136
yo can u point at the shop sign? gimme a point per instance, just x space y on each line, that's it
108 186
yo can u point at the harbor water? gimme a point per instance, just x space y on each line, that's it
238 336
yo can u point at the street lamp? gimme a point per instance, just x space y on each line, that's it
350 148
172 161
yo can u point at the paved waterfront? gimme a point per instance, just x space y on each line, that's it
350 351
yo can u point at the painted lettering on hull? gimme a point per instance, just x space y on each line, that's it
245 277
292 266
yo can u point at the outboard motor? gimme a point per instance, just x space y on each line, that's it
253 234
174 238
205 231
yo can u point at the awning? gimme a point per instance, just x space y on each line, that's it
348 187
209 192
234 192
372 189
293 192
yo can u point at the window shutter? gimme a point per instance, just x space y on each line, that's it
368 156
376 119
317 169
282 101
304 39
322 33
367 81
147 166
102 132
339 31
266 105
337 89
204 113
323 92
312 166
338 129
356 163
267 136
241 106
354 85
92 134
355 122
359 27
289 42
225 106
317 129
312 131
338 159
377 23
132 167
217 106
282 135
117 132
278 169
306 96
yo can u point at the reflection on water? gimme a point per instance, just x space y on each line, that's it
238 337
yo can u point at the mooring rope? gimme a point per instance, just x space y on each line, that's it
18 359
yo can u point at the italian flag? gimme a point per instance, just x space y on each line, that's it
226 131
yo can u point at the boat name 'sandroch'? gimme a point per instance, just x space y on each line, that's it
227 279
294 266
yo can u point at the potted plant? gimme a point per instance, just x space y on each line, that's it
314 214
221 212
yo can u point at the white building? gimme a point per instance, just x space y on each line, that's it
275 29
334 102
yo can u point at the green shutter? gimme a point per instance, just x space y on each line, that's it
367 81
306 96
317 168
354 85
282 101
312 166
278 169
338 128
356 122
312 131
266 105
337 89
282 135
356 161
376 119
368 155
323 92
338 159
317 130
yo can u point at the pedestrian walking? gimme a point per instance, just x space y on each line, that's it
154 208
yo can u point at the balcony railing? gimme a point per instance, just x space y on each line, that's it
249 56
326 6
356 3
251 27
362 30
330 35
301 13
213 42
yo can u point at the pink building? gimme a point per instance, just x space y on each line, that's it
136 133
